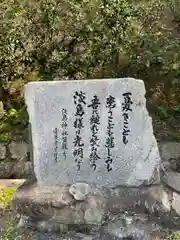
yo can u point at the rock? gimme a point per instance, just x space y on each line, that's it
140 200
50 226
6 169
169 150
24 221
56 196
48 205
80 191
48 236
174 164
87 237
69 215
68 236
94 216
5 183
172 179
18 150
96 210
176 203
2 112
159 199
138 228
136 156
2 151
23 170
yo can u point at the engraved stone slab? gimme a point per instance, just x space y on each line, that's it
95 131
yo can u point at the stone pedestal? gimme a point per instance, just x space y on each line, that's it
80 206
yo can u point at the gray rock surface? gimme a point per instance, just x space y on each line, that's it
6 169
176 203
22 169
2 151
61 116
172 179
169 150
18 150
47 208
136 227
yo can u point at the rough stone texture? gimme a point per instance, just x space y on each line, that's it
142 212
96 211
6 169
138 227
101 234
169 150
18 150
2 112
153 199
176 202
23 169
2 151
49 207
56 205
133 163
172 179
168 164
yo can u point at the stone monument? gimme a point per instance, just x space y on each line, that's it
93 131
94 155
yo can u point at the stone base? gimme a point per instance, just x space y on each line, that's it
119 212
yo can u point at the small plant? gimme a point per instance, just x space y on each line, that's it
6 196
11 232
173 236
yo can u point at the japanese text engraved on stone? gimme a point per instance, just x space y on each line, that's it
94 126
79 101
97 131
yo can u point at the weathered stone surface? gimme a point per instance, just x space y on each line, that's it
96 210
30 193
23 170
2 151
56 205
53 107
174 164
2 112
176 202
159 198
69 236
18 150
172 179
6 169
137 227
151 199
48 207
169 150
94 216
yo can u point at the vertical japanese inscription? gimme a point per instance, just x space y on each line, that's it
64 132
94 123
79 101
126 107
55 131
110 104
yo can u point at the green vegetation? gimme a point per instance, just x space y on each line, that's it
173 236
6 196
11 232
50 39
